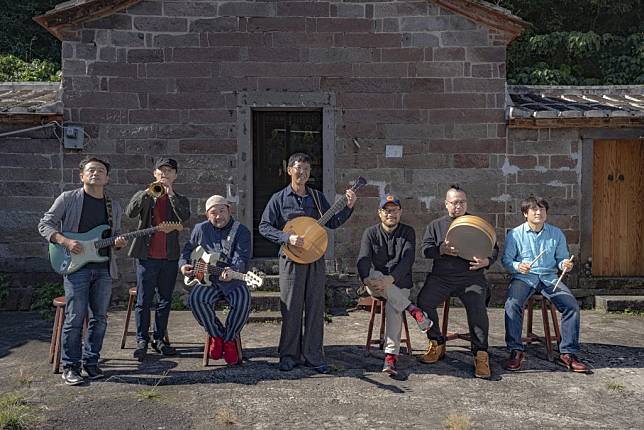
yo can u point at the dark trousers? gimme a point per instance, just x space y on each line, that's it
302 291
473 294
154 276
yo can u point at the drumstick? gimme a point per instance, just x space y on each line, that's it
536 258
562 275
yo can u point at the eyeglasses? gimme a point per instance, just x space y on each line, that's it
390 211
457 202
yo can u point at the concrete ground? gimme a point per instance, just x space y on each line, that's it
178 393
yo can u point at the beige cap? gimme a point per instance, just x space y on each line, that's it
216 200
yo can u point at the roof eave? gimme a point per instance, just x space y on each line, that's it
60 20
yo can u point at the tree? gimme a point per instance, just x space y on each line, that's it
584 42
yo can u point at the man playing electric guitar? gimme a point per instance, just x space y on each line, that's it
301 285
90 287
220 235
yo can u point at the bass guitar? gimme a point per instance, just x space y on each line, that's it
64 262
202 269
313 231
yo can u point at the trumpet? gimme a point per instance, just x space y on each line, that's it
155 189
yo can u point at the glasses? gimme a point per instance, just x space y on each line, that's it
390 211
457 202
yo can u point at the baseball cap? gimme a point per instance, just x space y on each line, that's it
166 162
389 198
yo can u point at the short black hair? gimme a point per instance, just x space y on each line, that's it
533 202
455 187
299 157
89 159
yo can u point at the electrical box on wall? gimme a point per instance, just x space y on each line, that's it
73 137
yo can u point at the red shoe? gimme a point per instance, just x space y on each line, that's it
216 347
390 364
230 352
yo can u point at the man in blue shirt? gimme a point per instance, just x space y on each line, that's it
225 237
301 285
534 252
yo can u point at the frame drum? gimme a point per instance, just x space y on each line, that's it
472 236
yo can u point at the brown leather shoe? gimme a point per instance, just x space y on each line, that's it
482 365
434 352
573 363
516 358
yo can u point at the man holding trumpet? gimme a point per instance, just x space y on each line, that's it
157 255
534 252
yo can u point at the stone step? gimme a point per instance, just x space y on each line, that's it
271 283
265 301
619 303
265 316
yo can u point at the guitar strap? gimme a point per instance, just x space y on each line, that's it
226 245
316 199
108 206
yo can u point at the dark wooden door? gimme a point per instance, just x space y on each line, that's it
277 135
618 208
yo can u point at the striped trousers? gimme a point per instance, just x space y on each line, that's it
202 302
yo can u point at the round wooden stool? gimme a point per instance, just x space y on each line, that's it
130 305
57 332
547 309
377 303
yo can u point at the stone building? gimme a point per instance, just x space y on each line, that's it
409 94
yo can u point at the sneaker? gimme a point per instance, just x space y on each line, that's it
482 365
572 362
230 352
93 371
141 350
434 353
286 364
72 376
390 364
216 350
320 368
163 348
423 321
516 358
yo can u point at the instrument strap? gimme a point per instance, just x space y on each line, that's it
227 245
316 199
108 206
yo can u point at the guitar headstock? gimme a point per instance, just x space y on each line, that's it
253 280
358 183
167 227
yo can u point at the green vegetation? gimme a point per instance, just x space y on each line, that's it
13 69
615 386
588 42
43 297
15 412
457 422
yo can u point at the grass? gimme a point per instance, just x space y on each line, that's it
226 417
25 379
151 393
615 386
15 412
457 422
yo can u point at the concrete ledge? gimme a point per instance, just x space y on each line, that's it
619 303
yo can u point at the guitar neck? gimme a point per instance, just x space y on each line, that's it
337 206
216 270
109 241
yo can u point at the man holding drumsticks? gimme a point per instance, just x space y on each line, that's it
534 251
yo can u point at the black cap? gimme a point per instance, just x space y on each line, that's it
166 162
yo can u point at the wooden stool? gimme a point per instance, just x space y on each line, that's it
206 349
130 304
381 340
548 338
451 335
57 332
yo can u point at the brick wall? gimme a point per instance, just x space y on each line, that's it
164 77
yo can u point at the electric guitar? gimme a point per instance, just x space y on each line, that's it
64 262
313 231
202 270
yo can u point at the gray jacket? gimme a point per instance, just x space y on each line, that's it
64 215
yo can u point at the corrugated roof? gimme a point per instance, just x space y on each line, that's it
553 102
30 98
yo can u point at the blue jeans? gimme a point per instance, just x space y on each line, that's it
85 290
152 276
518 294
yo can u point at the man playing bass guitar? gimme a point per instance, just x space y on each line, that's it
220 235
79 211
301 285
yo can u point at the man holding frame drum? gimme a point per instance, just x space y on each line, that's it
455 276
